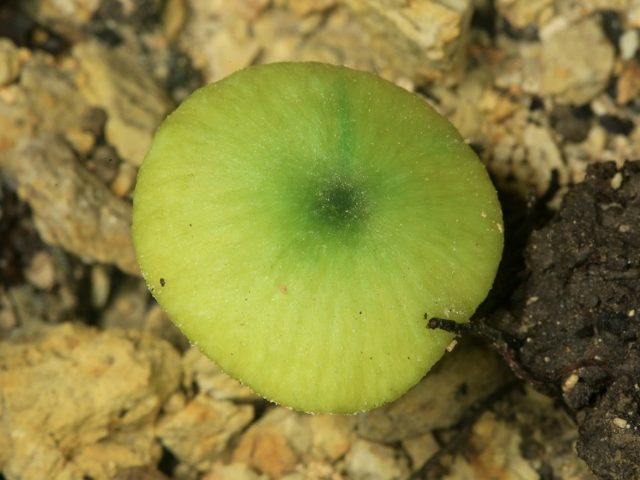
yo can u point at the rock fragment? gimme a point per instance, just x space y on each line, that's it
71 207
45 101
407 42
72 397
115 80
496 452
576 63
199 433
41 271
372 461
9 62
232 471
422 40
211 380
274 444
468 374
66 18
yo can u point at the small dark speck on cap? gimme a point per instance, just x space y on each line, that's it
162 282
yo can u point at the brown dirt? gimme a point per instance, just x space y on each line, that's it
576 318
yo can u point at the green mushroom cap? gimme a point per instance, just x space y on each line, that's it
298 220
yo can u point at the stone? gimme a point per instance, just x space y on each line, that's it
115 80
71 207
174 16
252 9
629 43
576 63
422 40
67 17
465 376
628 84
332 436
420 449
45 101
8 317
211 380
100 286
542 155
139 473
9 62
315 470
372 461
231 471
122 451
157 322
522 13
221 46
127 306
199 432
125 180
41 271
496 453
75 401
571 64
331 38
430 36
275 444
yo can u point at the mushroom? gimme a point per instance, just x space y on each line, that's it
297 220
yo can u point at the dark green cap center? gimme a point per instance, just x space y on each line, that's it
340 203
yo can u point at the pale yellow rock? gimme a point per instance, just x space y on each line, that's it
521 13
100 286
571 64
8 319
416 40
125 180
421 40
174 16
217 39
420 449
64 16
157 322
330 38
45 101
41 271
471 372
232 471
316 471
305 7
115 80
633 14
542 156
211 380
576 63
121 451
69 388
9 62
496 454
200 431
71 207
494 448
332 436
81 140
372 461
276 443
251 9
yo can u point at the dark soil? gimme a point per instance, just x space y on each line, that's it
575 321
